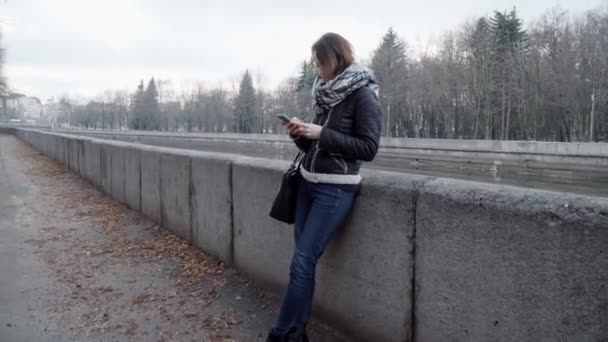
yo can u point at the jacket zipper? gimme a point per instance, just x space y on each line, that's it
314 157
341 163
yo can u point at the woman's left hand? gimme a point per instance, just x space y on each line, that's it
310 131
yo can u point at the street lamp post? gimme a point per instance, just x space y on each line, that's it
591 124
592 114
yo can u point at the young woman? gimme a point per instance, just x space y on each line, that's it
344 132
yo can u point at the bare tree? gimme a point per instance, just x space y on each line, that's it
478 51
166 95
121 104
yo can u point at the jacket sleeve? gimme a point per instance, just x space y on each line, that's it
367 125
301 142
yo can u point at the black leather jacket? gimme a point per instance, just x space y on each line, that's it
351 135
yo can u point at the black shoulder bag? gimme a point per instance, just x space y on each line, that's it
284 205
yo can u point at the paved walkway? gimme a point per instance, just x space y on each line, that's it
77 266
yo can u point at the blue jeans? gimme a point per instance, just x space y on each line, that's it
321 210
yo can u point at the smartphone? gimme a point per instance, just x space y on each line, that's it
286 119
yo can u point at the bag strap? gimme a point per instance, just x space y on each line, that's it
297 161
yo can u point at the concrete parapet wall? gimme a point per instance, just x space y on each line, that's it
92 159
508 264
175 194
118 172
421 258
132 177
211 201
7 130
150 184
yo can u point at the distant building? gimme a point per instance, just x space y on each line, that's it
21 107
32 107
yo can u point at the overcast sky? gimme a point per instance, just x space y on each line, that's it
86 46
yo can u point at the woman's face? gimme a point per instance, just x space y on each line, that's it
325 72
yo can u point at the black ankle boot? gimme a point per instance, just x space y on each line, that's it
299 336
276 338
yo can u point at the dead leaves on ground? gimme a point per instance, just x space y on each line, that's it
91 204
227 319
67 191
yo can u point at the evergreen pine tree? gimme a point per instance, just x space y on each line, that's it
307 76
137 108
151 107
303 87
244 111
389 63
508 40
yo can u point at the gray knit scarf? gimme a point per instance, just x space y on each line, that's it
327 94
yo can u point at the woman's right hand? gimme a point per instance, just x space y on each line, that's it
293 125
